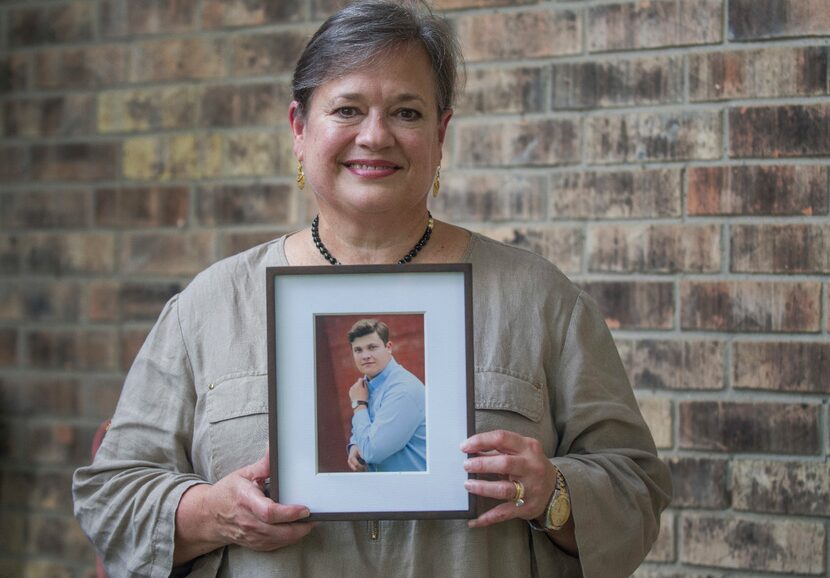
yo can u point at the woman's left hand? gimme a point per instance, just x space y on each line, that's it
506 457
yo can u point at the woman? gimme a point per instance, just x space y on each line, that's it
177 483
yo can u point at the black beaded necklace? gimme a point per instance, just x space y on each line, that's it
315 235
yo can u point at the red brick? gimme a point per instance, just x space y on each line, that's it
14 163
8 346
39 301
83 350
534 143
261 153
664 549
779 131
13 534
587 85
45 491
268 54
142 207
796 248
657 413
32 26
790 546
800 367
615 195
654 248
756 19
75 162
502 90
225 13
15 72
128 17
147 109
529 34
638 137
44 209
491 197
673 365
70 115
140 301
89 67
41 396
10 258
49 568
634 305
179 59
758 190
561 245
765 73
61 253
651 24
233 243
128 300
245 204
166 254
782 428
178 156
799 488
60 537
750 306
699 483
244 105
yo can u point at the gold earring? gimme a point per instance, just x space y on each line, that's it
300 175
436 184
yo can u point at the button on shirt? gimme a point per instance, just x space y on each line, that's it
391 434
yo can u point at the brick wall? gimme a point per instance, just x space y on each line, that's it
671 156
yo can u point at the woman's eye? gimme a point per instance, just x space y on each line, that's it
409 114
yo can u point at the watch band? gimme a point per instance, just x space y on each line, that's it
560 498
358 403
559 508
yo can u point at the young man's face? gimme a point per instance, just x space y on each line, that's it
371 355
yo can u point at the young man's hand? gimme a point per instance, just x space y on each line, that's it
356 462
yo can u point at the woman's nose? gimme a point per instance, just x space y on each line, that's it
374 133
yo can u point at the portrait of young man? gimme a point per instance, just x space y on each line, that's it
388 405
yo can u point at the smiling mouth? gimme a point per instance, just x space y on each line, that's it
371 167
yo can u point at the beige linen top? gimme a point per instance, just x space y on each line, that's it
194 408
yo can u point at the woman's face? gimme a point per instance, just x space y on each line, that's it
371 140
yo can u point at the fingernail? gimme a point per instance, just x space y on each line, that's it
306 513
468 464
468 485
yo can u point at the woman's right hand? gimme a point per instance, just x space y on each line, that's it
235 510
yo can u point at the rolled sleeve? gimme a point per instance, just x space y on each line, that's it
606 451
126 500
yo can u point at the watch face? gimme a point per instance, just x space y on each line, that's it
560 511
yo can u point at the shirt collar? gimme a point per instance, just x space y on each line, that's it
380 378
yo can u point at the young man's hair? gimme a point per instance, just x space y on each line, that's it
367 327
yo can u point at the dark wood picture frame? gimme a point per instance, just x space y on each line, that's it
443 292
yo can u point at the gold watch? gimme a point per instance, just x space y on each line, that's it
559 507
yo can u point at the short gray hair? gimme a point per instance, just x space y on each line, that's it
363 31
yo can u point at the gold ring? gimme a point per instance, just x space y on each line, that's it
518 494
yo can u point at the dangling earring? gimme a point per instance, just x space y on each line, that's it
436 184
300 175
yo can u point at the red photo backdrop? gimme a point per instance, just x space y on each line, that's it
336 373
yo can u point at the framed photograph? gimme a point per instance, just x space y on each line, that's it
370 376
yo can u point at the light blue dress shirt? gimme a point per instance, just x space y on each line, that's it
391 434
